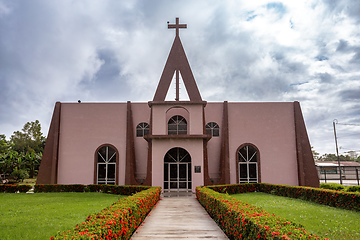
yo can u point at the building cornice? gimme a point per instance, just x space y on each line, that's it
176 103
185 136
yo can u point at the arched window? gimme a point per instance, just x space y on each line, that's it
177 125
142 129
106 165
248 164
212 128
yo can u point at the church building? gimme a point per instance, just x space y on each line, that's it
178 144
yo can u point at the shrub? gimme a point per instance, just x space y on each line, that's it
235 188
118 221
112 189
333 198
354 188
243 221
122 190
59 188
9 188
95 187
332 186
19 174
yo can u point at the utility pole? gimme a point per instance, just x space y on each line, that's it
337 150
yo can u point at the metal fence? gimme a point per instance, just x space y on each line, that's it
331 174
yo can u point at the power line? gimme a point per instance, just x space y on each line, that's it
348 124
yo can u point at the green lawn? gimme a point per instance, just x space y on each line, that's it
41 215
333 223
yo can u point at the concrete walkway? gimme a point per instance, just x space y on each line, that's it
176 218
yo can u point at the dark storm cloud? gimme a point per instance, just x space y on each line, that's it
343 46
349 7
325 77
356 57
110 69
350 94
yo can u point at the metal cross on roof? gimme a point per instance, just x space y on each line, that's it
177 63
177 26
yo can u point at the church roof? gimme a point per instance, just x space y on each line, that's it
177 63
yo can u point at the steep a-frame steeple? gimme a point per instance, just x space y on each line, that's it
177 63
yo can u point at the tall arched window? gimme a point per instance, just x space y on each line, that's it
177 125
142 129
106 165
212 128
248 164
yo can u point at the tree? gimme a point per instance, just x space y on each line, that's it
333 157
315 154
8 161
328 157
21 156
4 145
32 162
29 139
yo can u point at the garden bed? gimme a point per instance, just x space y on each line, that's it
330 222
42 215
332 198
117 221
121 219
244 221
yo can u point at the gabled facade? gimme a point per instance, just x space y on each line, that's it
177 145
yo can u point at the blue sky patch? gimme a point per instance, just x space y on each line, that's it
277 7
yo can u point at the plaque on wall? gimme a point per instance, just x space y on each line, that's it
197 169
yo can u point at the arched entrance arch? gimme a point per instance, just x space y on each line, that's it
177 170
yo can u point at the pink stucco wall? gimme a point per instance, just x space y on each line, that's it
270 127
160 148
194 116
141 113
161 113
84 127
214 113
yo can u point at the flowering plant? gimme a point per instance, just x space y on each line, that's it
117 189
9 188
118 221
244 221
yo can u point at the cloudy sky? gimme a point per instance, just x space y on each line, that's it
248 51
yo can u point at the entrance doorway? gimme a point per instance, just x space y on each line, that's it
177 170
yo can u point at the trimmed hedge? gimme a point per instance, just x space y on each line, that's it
339 187
236 188
118 221
354 188
112 189
244 221
59 188
333 198
9 188
116 189
332 186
